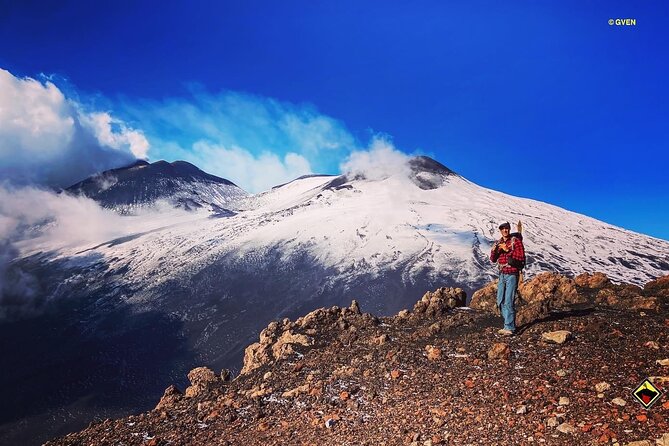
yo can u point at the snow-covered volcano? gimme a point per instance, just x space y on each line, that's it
424 224
189 288
142 184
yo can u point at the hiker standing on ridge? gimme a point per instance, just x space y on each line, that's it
509 254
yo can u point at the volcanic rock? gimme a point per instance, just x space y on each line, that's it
199 378
171 396
499 350
658 287
560 290
486 298
439 302
411 388
557 337
592 281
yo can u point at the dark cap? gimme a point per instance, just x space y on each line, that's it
506 225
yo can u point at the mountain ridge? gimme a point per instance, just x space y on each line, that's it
432 375
142 184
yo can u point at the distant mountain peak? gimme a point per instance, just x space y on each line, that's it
138 163
424 172
142 184
423 163
428 173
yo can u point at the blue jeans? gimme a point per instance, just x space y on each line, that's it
506 291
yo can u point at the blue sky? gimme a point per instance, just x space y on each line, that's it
538 99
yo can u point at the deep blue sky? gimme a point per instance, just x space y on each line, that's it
537 99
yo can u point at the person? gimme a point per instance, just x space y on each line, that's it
509 254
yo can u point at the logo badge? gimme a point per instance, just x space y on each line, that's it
646 393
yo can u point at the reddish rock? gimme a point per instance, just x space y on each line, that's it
592 281
433 353
658 287
559 290
438 302
532 312
499 350
199 378
626 297
486 298
171 396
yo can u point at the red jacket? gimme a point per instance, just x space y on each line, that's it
516 250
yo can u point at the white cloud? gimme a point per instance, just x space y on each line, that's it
252 173
254 141
102 126
62 217
36 220
34 118
42 219
381 160
48 139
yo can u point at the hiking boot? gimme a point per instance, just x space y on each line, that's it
505 332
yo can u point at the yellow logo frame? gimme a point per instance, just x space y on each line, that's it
646 390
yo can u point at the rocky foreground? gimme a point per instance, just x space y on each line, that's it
437 375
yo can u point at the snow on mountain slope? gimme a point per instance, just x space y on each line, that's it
364 227
131 189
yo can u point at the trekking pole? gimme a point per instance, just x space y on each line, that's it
519 227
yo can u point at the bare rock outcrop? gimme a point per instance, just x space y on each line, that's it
199 378
171 396
499 350
659 288
546 292
439 302
486 298
531 312
280 339
535 297
592 281
626 297
559 290
331 393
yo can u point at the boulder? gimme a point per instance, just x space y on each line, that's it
658 287
499 350
557 337
486 298
663 440
283 347
256 355
534 311
559 290
592 281
266 351
171 396
439 302
199 378
433 353
626 297
566 428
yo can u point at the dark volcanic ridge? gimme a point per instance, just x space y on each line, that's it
143 183
424 172
439 374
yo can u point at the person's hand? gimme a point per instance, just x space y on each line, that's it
502 247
